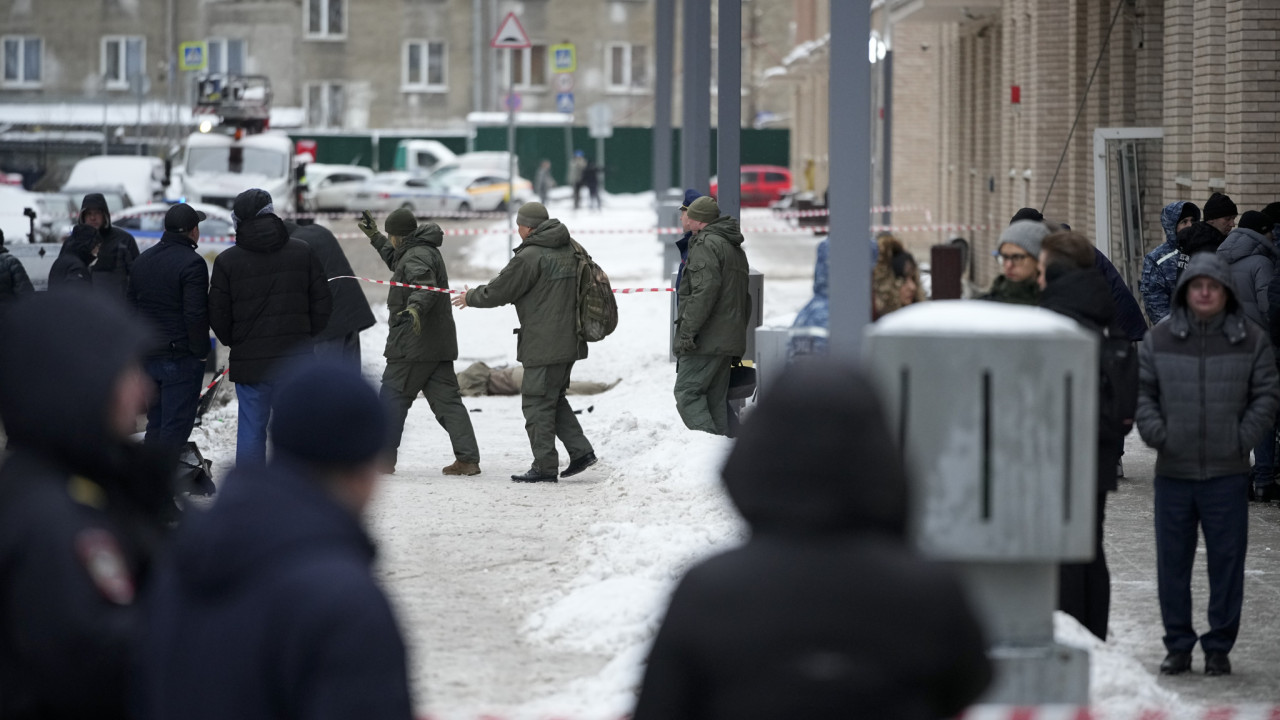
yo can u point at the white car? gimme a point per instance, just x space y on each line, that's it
330 187
142 177
393 190
462 189
14 222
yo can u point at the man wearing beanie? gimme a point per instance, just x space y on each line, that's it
713 307
268 297
267 605
541 280
1221 213
422 342
1160 266
1019 253
683 243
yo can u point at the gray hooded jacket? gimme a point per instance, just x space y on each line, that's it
1207 390
1252 260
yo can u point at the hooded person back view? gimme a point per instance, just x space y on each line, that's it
825 611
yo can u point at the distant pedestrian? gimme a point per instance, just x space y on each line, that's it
825 611
895 279
1221 213
81 507
78 253
1208 393
1251 255
268 299
543 181
541 280
576 168
268 607
1019 253
422 342
169 286
712 311
14 282
591 179
119 248
351 312
1160 266
682 244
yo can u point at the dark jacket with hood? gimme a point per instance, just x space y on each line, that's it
72 265
351 312
267 609
79 510
119 248
541 280
714 303
169 286
13 277
825 612
417 261
1208 390
1160 266
1128 314
1251 260
268 298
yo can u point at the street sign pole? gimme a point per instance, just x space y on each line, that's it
511 153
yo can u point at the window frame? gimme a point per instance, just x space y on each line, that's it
123 41
424 85
324 34
326 98
225 43
525 57
627 87
21 82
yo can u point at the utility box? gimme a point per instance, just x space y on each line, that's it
755 287
996 408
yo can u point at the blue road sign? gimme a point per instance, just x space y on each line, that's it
564 102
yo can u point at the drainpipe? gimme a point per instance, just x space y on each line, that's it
477 55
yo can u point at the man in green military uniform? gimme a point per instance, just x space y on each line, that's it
713 308
422 343
542 282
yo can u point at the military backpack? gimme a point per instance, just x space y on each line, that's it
597 307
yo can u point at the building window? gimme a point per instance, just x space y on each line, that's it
424 66
628 67
22 62
325 18
326 105
528 68
123 60
226 55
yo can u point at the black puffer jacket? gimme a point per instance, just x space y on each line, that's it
13 277
268 298
78 509
351 312
118 251
170 288
825 612
72 265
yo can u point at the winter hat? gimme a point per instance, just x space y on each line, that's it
689 196
531 215
1026 234
1189 210
1200 237
401 222
1219 206
181 218
1255 221
1272 212
704 209
1027 214
325 413
250 204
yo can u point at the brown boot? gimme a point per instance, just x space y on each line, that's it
462 467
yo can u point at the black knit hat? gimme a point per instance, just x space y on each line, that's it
325 413
1219 206
249 203
1255 221
1027 214
1272 211
1189 210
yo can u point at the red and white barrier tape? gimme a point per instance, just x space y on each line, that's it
213 382
620 291
1076 712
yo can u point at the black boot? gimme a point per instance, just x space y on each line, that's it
535 475
1176 663
577 466
1216 663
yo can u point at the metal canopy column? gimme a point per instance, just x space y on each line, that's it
695 133
729 106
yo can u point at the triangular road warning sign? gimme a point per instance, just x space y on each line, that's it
510 34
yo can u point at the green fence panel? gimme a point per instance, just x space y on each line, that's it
341 149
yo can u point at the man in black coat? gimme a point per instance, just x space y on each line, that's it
80 506
825 612
13 277
78 253
169 286
119 249
267 607
268 298
351 312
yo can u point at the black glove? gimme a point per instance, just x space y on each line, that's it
368 225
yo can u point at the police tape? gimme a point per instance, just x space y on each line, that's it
620 291
213 382
822 212
1073 712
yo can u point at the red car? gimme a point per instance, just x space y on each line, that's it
761 184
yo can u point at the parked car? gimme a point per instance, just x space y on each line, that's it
142 177
55 214
761 184
146 224
420 157
462 189
329 187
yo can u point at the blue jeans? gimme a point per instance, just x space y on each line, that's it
1220 506
173 414
251 428
1264 461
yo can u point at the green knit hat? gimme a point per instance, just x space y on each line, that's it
401 223
704 209
531 215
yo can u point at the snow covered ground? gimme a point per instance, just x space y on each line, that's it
539 601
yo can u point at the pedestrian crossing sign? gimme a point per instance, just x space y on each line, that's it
193 56
564 58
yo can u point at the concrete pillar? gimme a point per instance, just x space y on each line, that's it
1179 56
1252 149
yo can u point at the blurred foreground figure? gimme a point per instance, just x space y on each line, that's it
267 607
825 612
80 505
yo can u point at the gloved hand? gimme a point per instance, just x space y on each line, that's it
685 344
368 225
417 320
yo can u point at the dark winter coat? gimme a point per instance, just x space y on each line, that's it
268 298
78 520
714 303
418 262
541 280
351 312
683 246
825 612
1251 260
169 286
267 609
1160 266
72 265
1128 314
1005 290
13 277
118 251
1208 391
